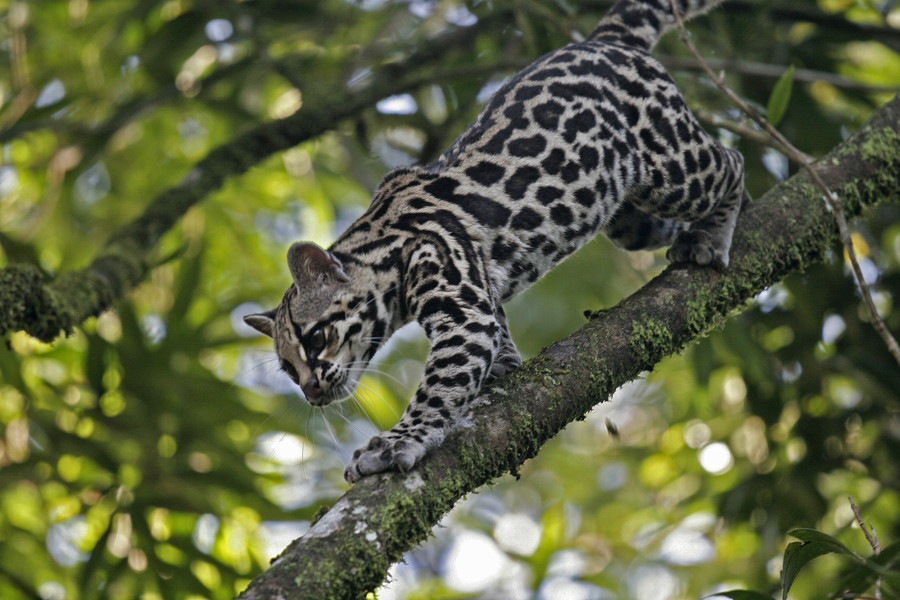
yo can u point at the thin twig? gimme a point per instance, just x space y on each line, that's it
870 536
830 197
754 135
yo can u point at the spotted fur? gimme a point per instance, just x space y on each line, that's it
592 137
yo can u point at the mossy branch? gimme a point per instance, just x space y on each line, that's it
43 307
348 552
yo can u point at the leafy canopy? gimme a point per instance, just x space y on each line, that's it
158 451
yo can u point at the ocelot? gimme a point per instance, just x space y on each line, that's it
591 137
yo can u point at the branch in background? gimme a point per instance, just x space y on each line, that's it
790 12
871 537
837 23
126 112
44 308
742 130
755 69
349 551
831 198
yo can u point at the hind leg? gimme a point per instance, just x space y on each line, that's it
507 356
633 229
708 240
685 175
701 184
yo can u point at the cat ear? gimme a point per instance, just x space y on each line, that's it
310 264
262 322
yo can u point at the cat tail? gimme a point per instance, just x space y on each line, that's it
640 23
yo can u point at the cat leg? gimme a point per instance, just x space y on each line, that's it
465 337
458 365
700 183
708 240
633 229
507 355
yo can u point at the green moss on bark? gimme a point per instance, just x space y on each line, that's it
53 307
651 339
24 302
783 232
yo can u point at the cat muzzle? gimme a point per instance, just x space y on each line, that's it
312 390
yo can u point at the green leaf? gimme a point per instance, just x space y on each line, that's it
741 595
823 539
797 554
189 278
780 97
862 577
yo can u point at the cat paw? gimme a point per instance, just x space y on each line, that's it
697 247
505 364
384 454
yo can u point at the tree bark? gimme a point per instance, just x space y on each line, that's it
348 551
44 308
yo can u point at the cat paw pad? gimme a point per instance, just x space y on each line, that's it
504 365
384 454
697 247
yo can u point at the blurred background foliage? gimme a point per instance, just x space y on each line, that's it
157 452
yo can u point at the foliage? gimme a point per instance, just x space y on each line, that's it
878 572
158 451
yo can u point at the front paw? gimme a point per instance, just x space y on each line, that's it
384 453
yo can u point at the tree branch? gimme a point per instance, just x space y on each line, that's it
837 24
349 550
44 308
755 69
126 112
796 155
839 27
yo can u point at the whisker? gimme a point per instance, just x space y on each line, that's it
306 434
283 410
378 396
271 364
346 419
334 440
380 372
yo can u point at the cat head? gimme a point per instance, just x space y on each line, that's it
319 335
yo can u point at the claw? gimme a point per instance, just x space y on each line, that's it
384 454
697 247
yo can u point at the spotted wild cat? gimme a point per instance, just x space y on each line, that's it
592 137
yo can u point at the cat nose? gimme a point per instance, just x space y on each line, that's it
312 389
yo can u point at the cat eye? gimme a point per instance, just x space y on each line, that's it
317 340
